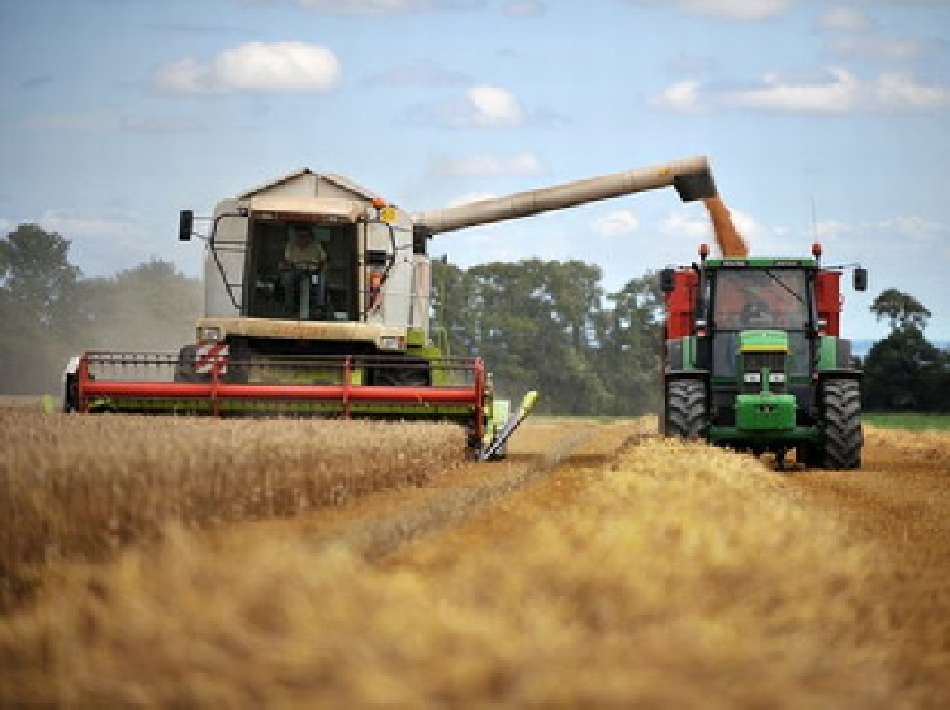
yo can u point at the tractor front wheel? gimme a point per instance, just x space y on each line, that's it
843 435
686 409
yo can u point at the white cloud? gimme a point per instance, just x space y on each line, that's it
255 66
741 10
843 18
487 165
616 223
695 224
899 232
836 91
492 106
477 107
897 91
682 224
683 97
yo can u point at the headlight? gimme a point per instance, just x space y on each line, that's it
777 377
752 378
212 333
392 342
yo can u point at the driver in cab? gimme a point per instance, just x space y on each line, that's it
302 267
303 250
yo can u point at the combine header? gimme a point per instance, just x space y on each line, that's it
316 303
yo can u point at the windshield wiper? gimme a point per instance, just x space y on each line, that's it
784 285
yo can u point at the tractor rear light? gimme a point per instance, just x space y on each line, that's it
209 333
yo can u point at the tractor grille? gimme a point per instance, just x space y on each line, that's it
752 364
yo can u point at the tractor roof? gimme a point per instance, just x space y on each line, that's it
762 262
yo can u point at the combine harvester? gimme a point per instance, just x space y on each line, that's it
316 303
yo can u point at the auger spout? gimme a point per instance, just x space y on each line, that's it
691 177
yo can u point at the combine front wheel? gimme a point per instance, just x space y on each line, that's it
686 409
843 435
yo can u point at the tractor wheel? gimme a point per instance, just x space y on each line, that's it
843 435
686 409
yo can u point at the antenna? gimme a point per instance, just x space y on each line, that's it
814 219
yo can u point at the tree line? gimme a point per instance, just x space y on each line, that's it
50 312
545 325
550 326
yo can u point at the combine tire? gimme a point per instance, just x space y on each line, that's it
843 435
185 368
686 409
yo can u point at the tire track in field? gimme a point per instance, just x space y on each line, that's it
379 523
584 447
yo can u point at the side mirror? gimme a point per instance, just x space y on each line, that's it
860 279
186 225
667 281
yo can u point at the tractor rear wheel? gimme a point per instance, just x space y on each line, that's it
842 421
686 409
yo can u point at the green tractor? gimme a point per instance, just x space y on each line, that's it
754 360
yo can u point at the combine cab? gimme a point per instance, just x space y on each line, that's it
754 359
317 297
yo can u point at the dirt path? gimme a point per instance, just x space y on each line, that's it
379 523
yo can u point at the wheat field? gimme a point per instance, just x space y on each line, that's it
672 575
80 488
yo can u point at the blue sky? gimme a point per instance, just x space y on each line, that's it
819 118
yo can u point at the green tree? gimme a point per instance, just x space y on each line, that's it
632 352
900 309
546 325
904 372
37 309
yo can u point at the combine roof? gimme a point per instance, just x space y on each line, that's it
335 180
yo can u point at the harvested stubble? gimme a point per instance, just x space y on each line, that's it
686 577
77 488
